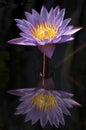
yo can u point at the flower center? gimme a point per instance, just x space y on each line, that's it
44 101
45 31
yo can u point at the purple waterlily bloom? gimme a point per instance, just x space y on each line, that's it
45 30
44 105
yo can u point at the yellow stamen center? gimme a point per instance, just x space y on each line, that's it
44 101
45 31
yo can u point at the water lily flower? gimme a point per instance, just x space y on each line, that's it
44 104
45 30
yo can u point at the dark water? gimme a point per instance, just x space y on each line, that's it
20 67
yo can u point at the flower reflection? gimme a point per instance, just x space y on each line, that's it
44 104
45 30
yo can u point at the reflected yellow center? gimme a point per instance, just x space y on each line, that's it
45 31
44 101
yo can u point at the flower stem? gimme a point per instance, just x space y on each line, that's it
45 66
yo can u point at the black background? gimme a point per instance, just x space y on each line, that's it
20 66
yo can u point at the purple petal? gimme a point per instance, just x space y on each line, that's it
22 105
18 21
20 41
44 42
65 23
72 31
56 93
53 118
21 92
36 115
30 115
72 102
58 110
27 117
29 39
64 109
57 10
16 92
56 40
35 13
51 16
28 25
67 104
44 13
24 24
27 36
60 115
27 109
61 119
47 49
43 119
61 33
65 94
23 28
24 109
17 41
18 112
29 18
56 122
26 96
59 18
50 117
37 18
31 94
66 39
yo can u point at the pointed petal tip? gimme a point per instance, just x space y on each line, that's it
57 7
10 41
26 12
13 92
78 28
44 12
43 7
78 104
42 125
74 30
74 103
63 9
16 19
27 119
18 41
10 91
